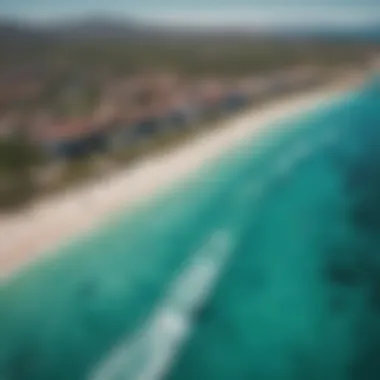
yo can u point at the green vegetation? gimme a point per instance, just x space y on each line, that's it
191 57
18 158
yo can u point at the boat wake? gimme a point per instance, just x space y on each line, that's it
151 352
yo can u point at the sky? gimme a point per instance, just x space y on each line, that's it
262 13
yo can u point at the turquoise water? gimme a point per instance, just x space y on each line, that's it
285 232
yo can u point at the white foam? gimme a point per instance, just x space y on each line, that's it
303 150
150 353
298 153
330 137
285 165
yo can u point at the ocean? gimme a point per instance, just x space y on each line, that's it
264 265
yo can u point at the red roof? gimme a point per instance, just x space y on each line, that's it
66 130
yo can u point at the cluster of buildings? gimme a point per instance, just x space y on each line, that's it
118 112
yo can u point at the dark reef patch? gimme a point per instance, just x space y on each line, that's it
343 273
366 363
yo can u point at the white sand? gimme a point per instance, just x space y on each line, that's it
26 235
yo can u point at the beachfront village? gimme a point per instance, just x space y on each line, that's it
82 115
68 122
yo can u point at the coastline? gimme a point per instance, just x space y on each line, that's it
27 235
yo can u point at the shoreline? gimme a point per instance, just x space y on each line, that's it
29 234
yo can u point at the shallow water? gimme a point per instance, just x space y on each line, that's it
284 236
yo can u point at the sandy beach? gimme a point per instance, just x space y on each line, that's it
26 235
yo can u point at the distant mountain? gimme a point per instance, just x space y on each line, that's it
368 33
14 32
96 28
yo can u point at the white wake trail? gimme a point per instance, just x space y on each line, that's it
150 353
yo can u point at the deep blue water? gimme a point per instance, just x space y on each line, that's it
283 233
